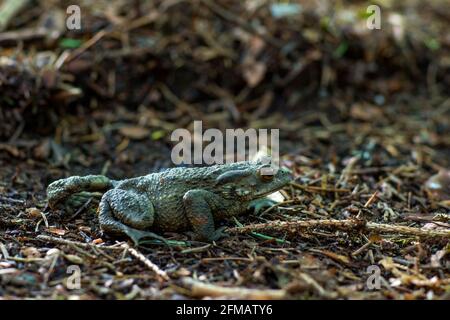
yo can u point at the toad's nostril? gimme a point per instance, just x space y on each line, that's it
287 173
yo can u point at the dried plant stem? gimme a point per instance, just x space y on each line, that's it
123 247
77 243
9 9
345 225
199 289
147 262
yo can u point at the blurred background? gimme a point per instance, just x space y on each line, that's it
138 69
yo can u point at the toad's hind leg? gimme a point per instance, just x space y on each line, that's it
123 212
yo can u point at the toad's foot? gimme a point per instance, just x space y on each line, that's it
216 235
260 205
219 233
138 236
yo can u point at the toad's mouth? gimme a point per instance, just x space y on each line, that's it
266 193
276 188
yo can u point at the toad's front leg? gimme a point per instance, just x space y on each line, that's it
199 206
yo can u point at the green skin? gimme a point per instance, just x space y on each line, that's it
178 199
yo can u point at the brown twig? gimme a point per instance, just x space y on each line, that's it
83 207
345 225
7 199
161 273
75 54
70 243
231 17
199 289
9 10
371 199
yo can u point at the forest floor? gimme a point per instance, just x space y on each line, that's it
364 120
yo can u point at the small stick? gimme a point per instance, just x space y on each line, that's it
4 251
199 289
316 188
197 249
77 243
371 199
75 54
362 248
317 287
147 262
345 225
84 206
9 9
368 203
6 199
25 260
231 17
125 246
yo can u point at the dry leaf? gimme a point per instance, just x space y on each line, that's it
33 212
135 132
12 150
365 112
30 252
8 271
335 256
436 258
254 72
375 238
438 185
42 151
53 252
57 231
97 241
73 258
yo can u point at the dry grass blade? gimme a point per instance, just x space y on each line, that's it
161 273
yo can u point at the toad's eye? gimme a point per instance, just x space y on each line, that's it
265 177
